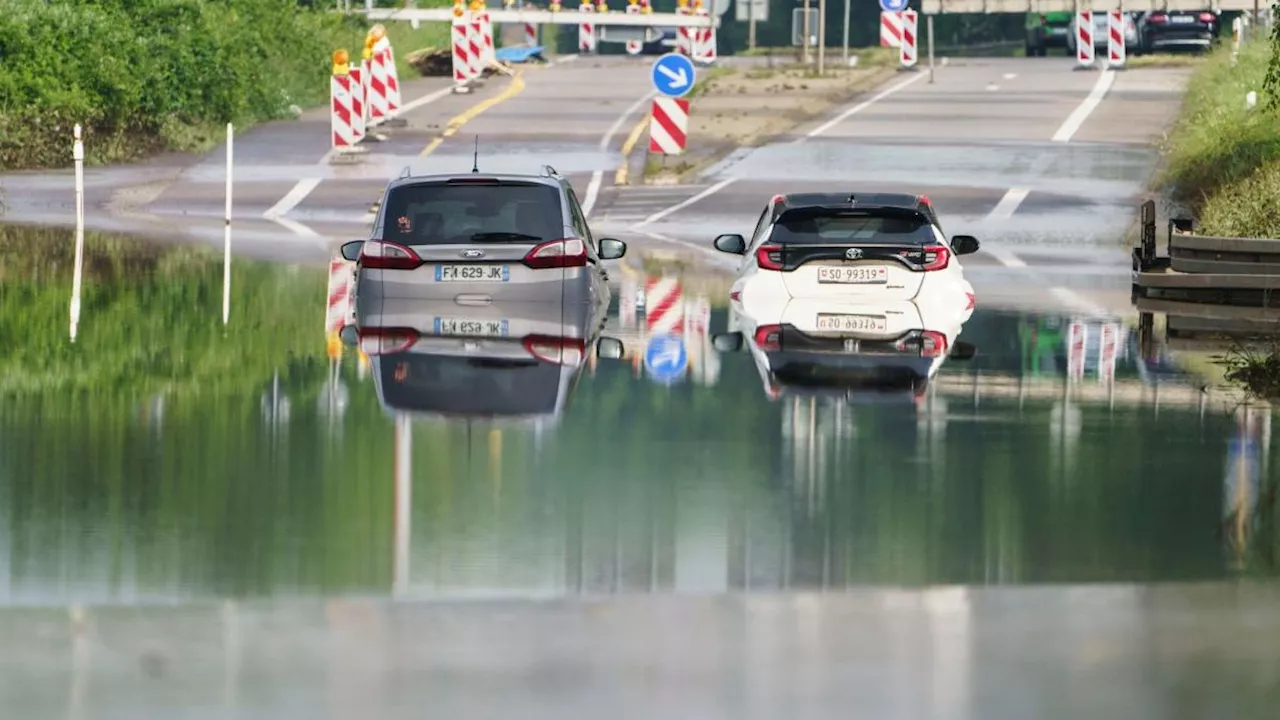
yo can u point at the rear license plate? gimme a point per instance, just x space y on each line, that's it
471 328
862 274
473 273
1182 19
852 323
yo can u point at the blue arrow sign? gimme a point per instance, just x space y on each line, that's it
665 358
893 5
673 75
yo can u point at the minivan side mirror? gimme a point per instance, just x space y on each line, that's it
964 244
729 342
351 250
610 348
611 249
733 243
963 350
349 335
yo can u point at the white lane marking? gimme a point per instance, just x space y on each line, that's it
1008 204
297 227
1079 302
1004 257
292 198
719 257
860 107
597 177
1010 76
1090 103
992 87
684 203
425 99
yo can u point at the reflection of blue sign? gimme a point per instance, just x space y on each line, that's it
665 358
673 75
893 5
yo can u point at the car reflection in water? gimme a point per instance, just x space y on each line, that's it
859 350
515 361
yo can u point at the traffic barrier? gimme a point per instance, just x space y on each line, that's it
1077 342
669 125
531 34
586 29
461 54
684 36
704 39
1108 348
342 118
393 79
664 306
1084 38
379 103
907 50
634 46
340 279
890 29
475 44
486 35
357 101
1115 39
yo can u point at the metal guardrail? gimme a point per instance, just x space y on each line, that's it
1205 268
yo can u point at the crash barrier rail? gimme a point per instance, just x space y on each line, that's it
1200 327
1205 268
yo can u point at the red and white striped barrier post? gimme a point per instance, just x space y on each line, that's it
890 29
586 29
1077 335
704 50
907 55
1108 349
357 100
487 53
684 38
633 46
530 34
1084 39
342 117
1115 38
669 125
340 279
461 51
379 106
475 40
393 78
664 306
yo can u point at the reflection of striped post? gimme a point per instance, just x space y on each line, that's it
664 306
627 302
1108 347
1077 335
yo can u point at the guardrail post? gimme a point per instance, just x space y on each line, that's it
1147 249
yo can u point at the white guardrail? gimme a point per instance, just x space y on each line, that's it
939 7
546 17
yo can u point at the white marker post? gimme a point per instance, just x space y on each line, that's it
77 153
226 236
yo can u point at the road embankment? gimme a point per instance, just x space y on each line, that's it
747 101
147 76
1222 158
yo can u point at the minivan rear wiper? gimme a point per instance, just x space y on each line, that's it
504 236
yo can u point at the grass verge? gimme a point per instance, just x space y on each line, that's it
1223 159
144 76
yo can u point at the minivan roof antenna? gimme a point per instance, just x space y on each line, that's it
475 156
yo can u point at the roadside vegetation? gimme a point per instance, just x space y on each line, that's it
144 76
1223 158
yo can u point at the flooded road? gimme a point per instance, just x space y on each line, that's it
185 505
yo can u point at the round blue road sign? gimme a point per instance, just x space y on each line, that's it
673 75
893 5
665 358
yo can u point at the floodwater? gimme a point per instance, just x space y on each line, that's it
209 521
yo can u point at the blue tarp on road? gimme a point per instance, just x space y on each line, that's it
519 54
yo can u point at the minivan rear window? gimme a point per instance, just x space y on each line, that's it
451 385
444 214
853 228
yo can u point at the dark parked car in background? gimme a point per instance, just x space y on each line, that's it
1166 30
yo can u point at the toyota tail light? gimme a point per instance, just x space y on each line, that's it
769 257
1158 18
556 350
929 343
1207 18
386 341
769 338
563 253
936 257
382 255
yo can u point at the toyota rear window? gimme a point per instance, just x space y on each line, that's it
444 213
905 228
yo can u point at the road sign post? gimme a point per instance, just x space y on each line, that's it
673 75
665 358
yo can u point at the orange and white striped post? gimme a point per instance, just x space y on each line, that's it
342 116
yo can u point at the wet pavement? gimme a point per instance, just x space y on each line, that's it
520 511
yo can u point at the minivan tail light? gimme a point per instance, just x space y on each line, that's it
382 255
386 341
769 338
563 253
1158 18
1207 17
936 257
557 350
769 257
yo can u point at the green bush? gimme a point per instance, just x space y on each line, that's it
149 75
1218 143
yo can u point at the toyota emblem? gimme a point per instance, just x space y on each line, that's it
853 253
472 254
